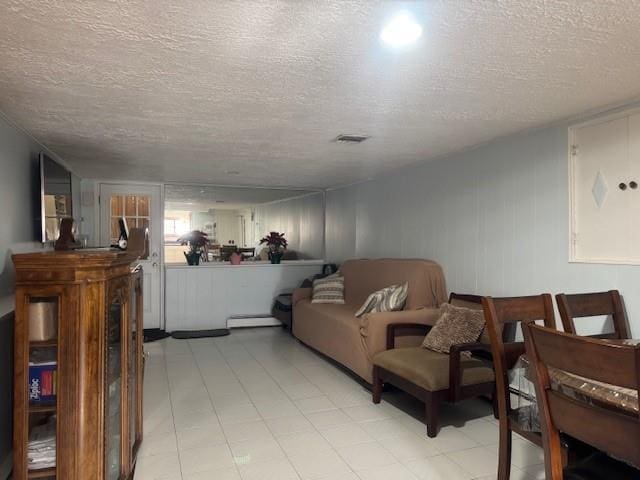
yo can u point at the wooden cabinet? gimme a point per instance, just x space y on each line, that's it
81 311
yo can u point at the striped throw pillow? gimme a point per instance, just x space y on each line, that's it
388 299
328 289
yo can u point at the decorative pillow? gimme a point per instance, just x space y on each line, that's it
328 289
388 299
455 325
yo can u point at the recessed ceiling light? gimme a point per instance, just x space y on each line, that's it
233 172
401 31
219 201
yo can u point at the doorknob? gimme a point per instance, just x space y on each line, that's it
154 264
154 255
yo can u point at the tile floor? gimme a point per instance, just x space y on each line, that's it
258 405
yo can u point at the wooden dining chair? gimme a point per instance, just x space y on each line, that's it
612 431
499 313
582 305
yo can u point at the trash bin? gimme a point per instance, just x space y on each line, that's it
282 310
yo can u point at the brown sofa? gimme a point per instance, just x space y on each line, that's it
335 331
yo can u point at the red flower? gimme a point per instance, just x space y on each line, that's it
275 240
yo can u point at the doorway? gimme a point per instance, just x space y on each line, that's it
141 206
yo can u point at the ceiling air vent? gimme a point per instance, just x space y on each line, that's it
350 138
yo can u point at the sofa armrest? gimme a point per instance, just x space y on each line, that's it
455 373
300 294
394 328
373 327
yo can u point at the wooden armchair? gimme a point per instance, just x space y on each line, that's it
499 313
584 305
431 376
611 431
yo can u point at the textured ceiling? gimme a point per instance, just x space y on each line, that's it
193 197
188 90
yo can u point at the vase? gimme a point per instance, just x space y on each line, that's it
235 258
275 257
193 258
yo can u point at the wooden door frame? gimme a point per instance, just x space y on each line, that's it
98 232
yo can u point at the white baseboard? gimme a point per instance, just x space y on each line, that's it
243 322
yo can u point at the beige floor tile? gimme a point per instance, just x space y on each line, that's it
201 459
200 437
288 425
280 469
314 404
347 434
438 468
395 471
365 456
254 451
315 465
255 430
478 461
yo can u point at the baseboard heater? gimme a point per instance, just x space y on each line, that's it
244 321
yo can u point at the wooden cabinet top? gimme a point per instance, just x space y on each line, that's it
72 266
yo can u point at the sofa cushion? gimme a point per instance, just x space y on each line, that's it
456 325
389 299
334 331
427 286
429 369
328 289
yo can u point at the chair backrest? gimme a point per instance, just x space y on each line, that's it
613 432
509 311
592 305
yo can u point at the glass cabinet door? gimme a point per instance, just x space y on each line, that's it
133 365
114 391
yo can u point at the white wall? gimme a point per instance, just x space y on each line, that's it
300 219
495 218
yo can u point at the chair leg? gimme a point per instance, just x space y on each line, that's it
494 401
432 407
377 385
504 452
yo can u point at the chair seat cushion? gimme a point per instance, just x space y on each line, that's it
429 369
600 467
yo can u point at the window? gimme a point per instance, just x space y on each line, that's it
134 208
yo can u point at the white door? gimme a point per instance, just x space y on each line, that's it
141 205
601 223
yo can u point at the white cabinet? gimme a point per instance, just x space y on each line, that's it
604 176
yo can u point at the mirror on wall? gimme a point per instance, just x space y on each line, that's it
56 197
236 218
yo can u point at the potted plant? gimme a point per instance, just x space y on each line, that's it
277 244
198 243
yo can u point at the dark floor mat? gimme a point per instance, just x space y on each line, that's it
153 334
184 334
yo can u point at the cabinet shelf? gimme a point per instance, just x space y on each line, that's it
42 408
44 343
42 473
